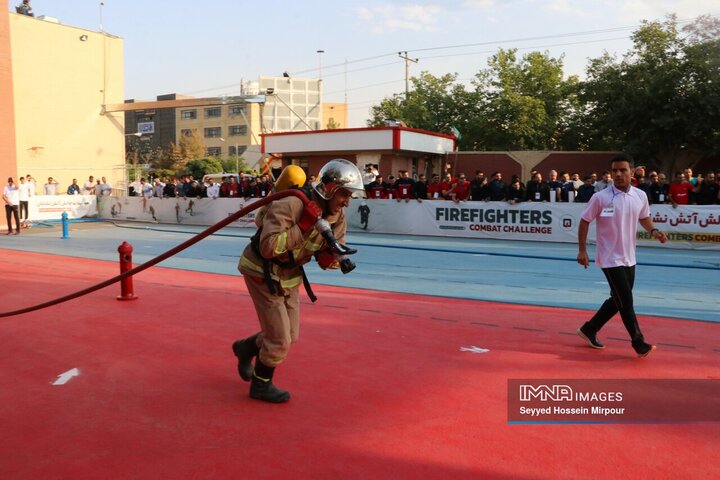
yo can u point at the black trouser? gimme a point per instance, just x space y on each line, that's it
24 207
621 281
12 211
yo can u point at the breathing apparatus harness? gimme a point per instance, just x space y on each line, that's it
337 248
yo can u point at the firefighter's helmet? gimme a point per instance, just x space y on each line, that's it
336 174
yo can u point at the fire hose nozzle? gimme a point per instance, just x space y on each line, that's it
324 228
346 265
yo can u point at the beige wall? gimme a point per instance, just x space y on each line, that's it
60 84
338 112
8 165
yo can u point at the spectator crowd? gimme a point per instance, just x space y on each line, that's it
686 189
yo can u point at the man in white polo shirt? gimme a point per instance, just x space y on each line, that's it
616 211
11 197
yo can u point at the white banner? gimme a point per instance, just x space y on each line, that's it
696 227
51 207
692 227
188 211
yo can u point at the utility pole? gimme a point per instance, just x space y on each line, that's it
404 56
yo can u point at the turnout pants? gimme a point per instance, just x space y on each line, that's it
621 281
279 317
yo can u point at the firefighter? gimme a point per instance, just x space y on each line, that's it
271 266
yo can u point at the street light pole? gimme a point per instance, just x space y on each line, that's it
320 53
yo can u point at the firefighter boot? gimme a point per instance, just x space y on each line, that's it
245 350
262 388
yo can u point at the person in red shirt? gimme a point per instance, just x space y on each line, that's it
680 190
434 190
445 187
460 191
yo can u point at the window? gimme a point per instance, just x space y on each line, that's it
236 130
186 132
213 132
213 151
236 149
234 110
214 112
188 114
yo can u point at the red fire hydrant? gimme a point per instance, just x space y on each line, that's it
126 284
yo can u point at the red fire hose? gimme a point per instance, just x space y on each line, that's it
188 243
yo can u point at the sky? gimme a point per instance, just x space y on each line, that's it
206 48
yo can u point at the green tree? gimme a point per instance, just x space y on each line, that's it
233 164
661 101
435 103
202 166
191 146
523 104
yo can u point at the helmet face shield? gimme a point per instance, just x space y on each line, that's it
336 174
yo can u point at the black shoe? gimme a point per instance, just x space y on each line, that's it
267 391
590 339
645 351
262 388
245 350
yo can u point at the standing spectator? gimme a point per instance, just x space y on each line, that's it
376 188
496 188
391 188
554 185
536 190
368 176
74 188
170 187
567 190
252 190
604 182
586 190
11 196
478 186
158 188
639 176
105 187
404 186
689 177
25 191
434 190
577 183
264 186
212 190
146 190
516 192
420 189
657 191
680 190
50 187
706 193
224 187
446 185
616 212
89 187
460 191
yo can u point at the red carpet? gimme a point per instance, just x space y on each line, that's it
380 387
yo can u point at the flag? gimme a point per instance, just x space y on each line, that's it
266 166
455 132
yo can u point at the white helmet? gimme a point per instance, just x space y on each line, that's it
336 174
